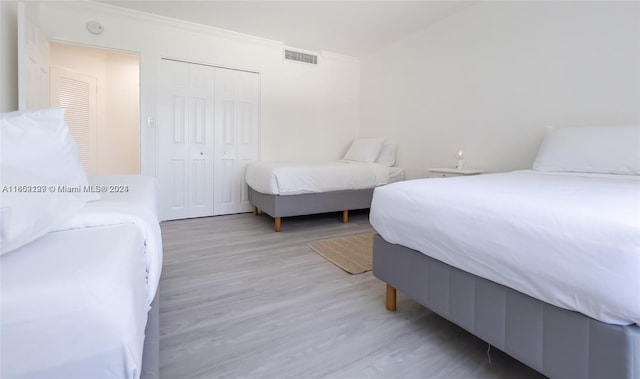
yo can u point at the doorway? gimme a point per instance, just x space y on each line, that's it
100 90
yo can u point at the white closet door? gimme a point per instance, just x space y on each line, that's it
237 137
185 130
201 123
248 146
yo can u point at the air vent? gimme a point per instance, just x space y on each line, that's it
300 57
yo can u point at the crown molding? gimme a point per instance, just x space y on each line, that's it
135 15
340 57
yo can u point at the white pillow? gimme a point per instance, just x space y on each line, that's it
29 208
39 141
387 156
364 150
595 149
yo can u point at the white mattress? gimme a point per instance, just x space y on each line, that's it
298 178
73 305
572 240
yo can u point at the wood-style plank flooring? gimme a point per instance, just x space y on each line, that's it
240 301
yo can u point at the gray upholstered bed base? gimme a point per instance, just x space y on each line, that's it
554 341
278 206
151 352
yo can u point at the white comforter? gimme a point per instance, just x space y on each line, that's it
74 302
138 206
298 178
572 240
74 305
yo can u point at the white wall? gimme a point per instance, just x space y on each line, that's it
118 118
488 79
306 111
119 142
8 56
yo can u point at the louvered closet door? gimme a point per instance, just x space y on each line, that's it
76 93
185 131
237 137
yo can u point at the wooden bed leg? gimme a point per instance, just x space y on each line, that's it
391 298
278 221
345 216
255 211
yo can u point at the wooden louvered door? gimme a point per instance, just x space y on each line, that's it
76 93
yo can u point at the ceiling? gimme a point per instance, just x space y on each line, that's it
355 28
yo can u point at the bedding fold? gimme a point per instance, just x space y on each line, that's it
137 206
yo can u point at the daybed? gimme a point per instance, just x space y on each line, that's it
295 189
543 264
80 262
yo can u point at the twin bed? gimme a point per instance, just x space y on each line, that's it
286 189
81 301
543 264
80 264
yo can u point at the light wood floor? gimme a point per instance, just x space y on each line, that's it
238 300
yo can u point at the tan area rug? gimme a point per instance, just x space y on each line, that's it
354 254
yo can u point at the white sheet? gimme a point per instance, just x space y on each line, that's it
138 206
572 240
298 178
73 305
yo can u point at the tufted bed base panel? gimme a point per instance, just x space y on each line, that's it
556 342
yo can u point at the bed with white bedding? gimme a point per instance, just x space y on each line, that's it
286 179
80 260
516 228
294 189
542 264
77 302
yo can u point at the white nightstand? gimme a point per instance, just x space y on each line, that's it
450 172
